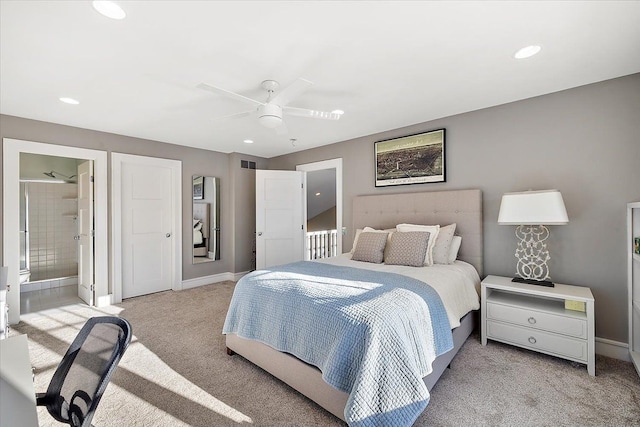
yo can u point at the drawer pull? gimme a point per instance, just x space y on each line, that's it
532 340
532 320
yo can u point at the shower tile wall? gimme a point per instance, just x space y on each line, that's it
53 250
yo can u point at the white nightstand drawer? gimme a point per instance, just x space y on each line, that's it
565 325
533 339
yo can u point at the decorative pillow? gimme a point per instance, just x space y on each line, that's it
433 229
407 248
453 250
443 243
197 226
371 230
355 240
370 247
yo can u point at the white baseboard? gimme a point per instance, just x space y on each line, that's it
615 349
214 278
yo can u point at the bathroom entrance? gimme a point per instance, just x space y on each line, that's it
11 242
50 232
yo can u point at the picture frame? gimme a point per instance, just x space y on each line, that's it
412 159
198 188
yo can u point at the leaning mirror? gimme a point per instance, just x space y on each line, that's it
206 219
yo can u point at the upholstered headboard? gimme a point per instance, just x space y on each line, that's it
464 207
201 212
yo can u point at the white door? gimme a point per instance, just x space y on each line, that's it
147 229
280 217
85 232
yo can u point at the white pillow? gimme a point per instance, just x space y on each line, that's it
454 248
432 229
443 244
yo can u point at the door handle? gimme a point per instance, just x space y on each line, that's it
168 235
259 233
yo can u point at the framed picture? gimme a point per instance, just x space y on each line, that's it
198 187
413 159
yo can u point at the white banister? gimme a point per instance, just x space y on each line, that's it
321 244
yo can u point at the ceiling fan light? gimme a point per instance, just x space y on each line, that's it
270 116
269 121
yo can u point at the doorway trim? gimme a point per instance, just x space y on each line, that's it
330 164
117 159
11 214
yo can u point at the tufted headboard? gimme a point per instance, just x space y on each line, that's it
201 212
464 207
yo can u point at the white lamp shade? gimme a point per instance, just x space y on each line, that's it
544 207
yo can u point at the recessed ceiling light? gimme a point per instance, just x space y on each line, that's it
69 101
317 194
527 52
337 112
109 9
248 141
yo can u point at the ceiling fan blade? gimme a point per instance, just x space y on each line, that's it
233 116
286 95
313 114
282 129
225 92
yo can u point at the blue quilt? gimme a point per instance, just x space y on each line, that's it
373 335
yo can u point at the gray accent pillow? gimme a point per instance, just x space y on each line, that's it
370 247
408 248
443 244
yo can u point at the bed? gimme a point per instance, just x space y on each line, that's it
201 229
463 207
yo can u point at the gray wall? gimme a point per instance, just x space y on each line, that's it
194 162
584 142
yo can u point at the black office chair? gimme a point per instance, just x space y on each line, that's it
84 372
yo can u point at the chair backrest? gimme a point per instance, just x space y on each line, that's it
84 372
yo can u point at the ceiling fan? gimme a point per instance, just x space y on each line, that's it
271 111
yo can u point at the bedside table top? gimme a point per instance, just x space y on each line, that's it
576 293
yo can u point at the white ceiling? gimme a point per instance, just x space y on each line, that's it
386 64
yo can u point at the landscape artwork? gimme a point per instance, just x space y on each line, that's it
414 159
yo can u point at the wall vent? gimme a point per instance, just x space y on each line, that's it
247 164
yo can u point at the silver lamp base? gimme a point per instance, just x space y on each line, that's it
532 255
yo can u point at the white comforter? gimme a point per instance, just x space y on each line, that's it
458 284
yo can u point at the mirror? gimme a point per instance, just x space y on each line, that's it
206 219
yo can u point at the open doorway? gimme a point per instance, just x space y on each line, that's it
49 233
12 151
324 208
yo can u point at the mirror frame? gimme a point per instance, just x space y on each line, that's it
205 210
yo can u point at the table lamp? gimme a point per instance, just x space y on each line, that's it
531 211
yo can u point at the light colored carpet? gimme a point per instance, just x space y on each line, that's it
176 372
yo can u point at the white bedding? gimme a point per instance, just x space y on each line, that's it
458 284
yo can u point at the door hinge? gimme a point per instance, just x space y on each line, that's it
302 185
91 178
93 233
92 287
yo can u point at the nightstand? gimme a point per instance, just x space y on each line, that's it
534 317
